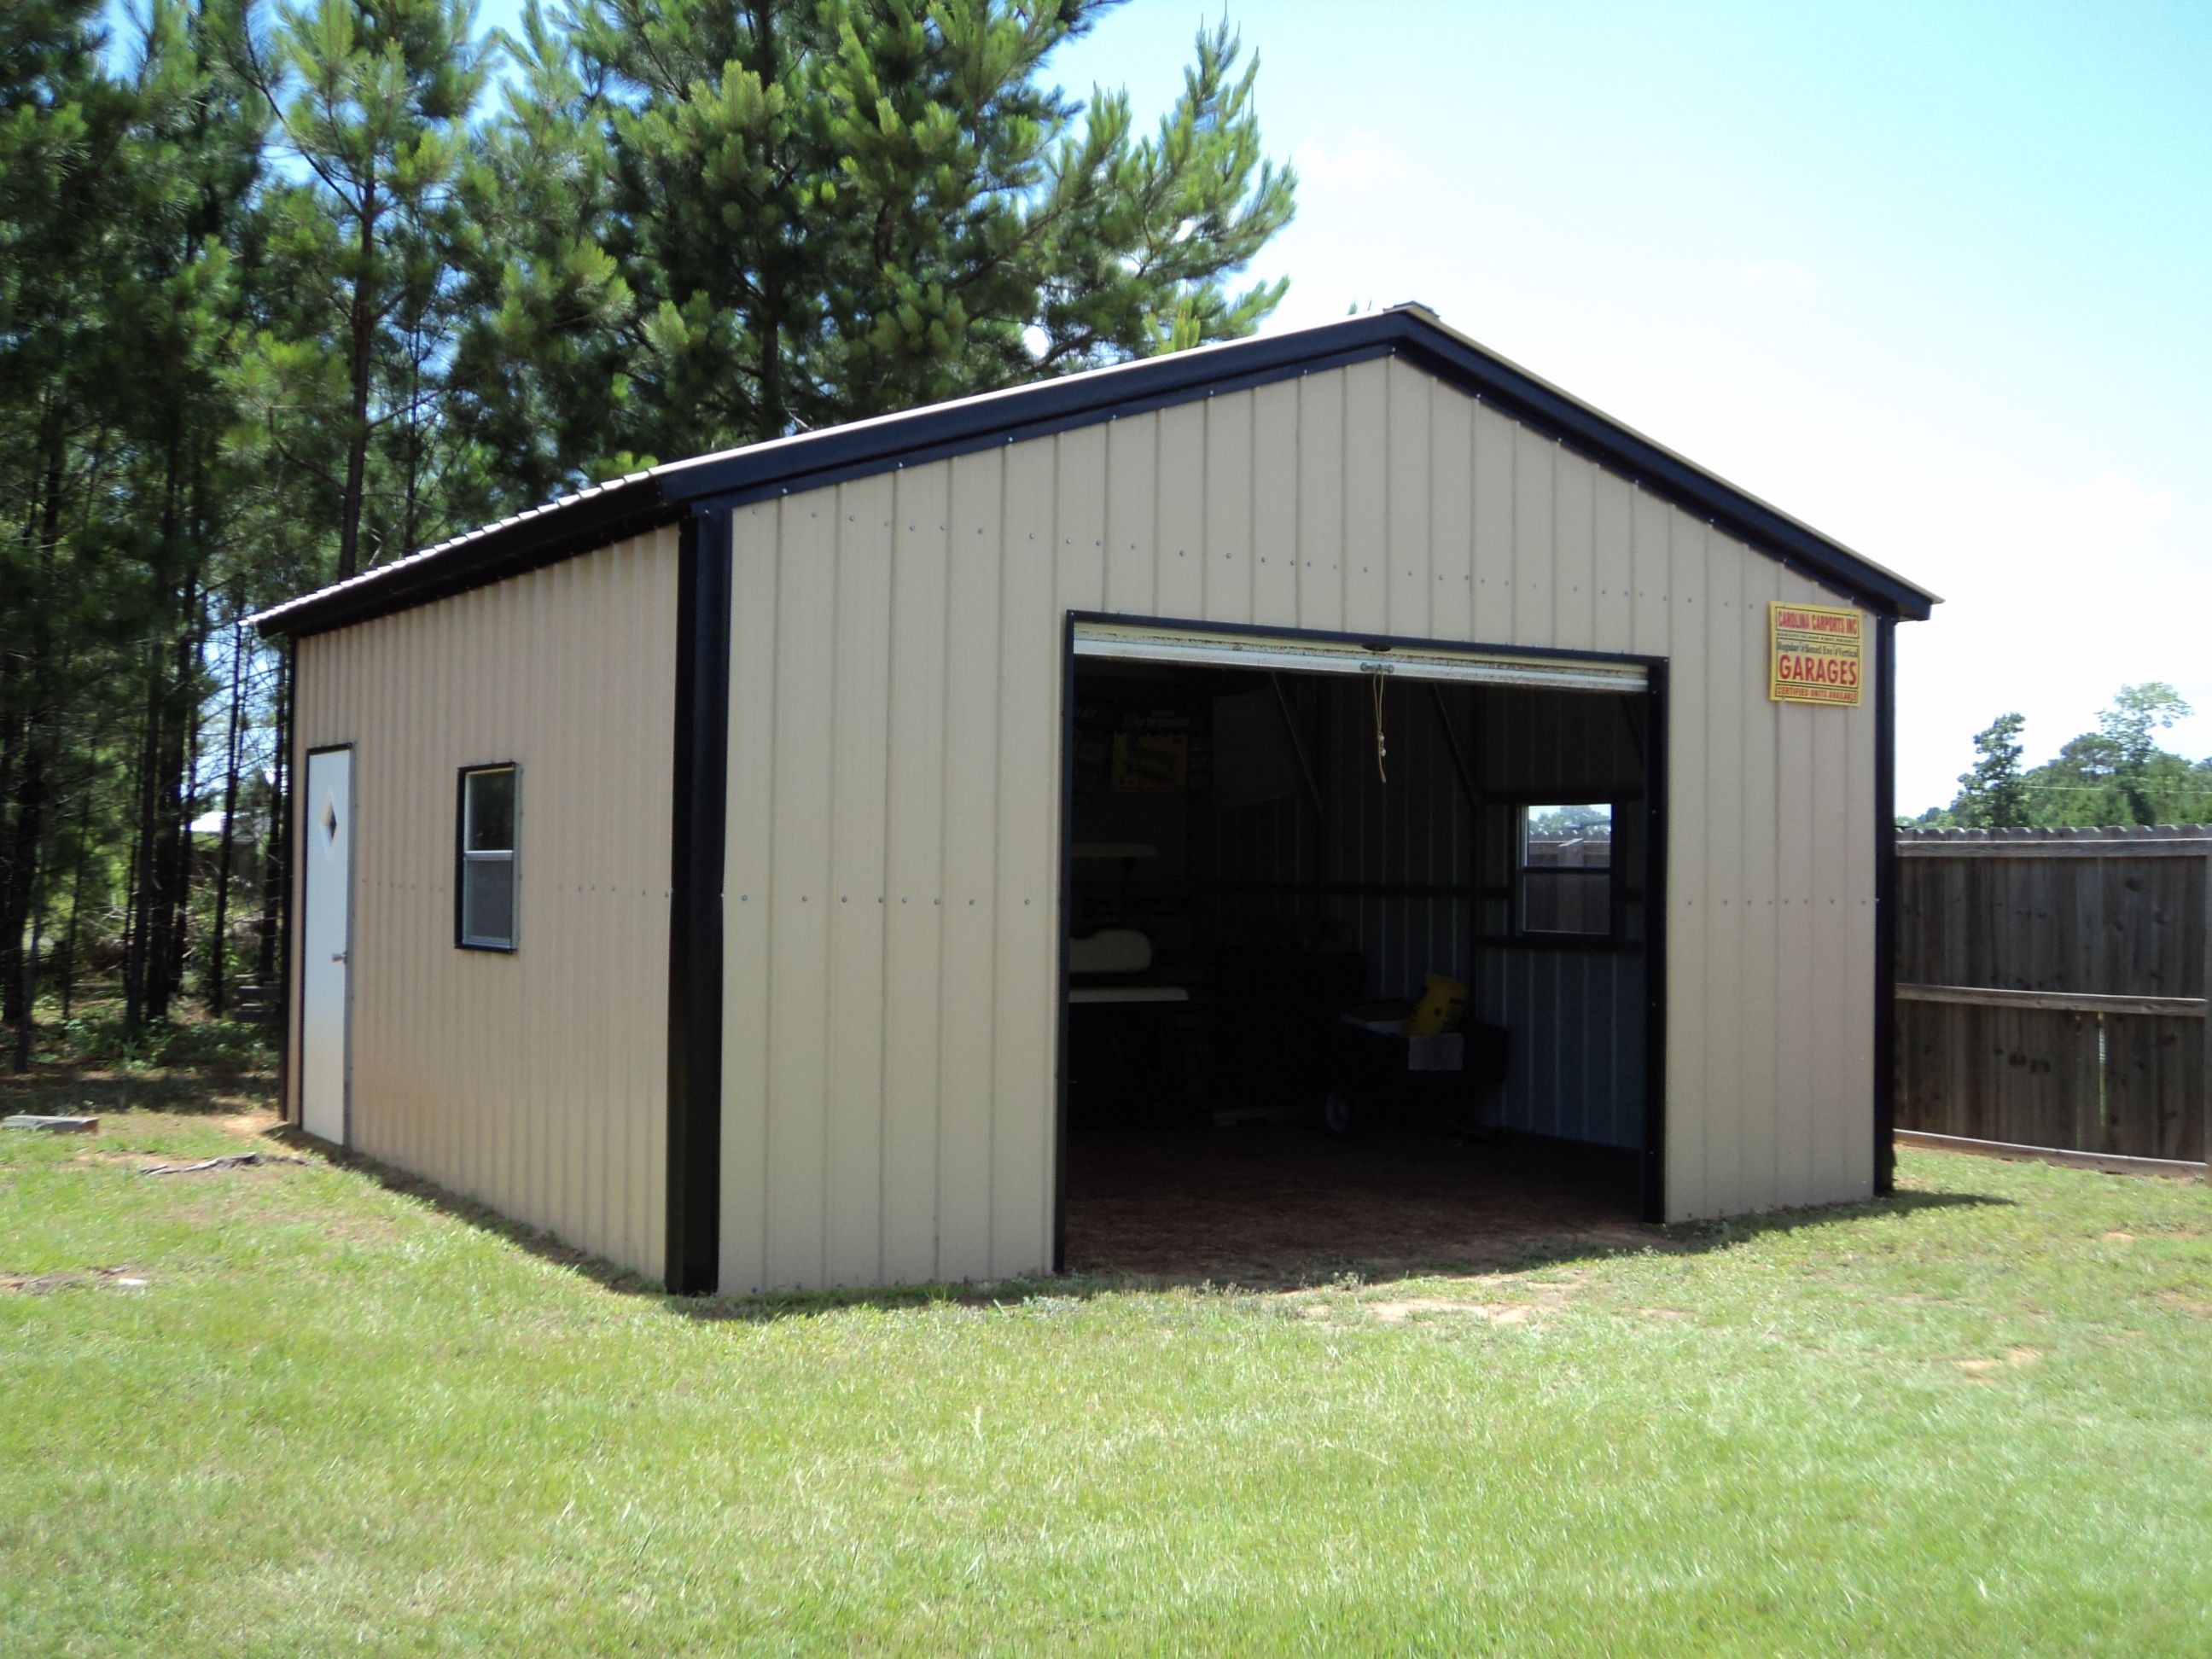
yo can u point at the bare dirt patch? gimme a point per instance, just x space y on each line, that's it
1399 1310
2013 1359
69 1279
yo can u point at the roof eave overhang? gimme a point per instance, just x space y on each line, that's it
631 507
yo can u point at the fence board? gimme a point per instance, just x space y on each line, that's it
2052 989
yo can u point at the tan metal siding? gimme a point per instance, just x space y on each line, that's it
895 748
534 1082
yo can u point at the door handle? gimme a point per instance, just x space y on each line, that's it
337 956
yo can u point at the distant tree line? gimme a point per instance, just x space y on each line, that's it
2116 774
288 289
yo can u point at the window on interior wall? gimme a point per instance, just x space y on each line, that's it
490 856
1566 869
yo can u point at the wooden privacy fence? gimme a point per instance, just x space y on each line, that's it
2051 987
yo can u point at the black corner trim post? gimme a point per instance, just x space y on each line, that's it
1656 747
699 817
1885 907
1064 874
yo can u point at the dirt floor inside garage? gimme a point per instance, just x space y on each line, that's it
1277 1203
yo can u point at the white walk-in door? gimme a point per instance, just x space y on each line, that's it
323 933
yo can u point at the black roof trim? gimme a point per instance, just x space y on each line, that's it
666 493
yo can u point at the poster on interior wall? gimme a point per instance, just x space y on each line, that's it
1151 754
1816 654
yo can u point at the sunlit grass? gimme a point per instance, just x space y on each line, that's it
339 1413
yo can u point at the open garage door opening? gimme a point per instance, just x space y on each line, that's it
1358 960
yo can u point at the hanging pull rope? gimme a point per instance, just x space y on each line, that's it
1381 747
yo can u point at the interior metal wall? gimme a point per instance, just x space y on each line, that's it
534 1081
892 921
1407 823
1578 1014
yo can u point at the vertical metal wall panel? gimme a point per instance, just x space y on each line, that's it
1132 508
1855 995
1728 688
1232 491
1451 513
1406 550
1797 968
859 736
1613 517
1690 1059
914 685
1755 882
1309 470
1578 1070
968 976
1576 1015
1026 854
1533 564
914 904
1493 467
1574 549
1180 524
533 1081
797 896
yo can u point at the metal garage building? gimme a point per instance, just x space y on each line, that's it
689 867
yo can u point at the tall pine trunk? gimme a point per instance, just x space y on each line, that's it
76 901
172 809
362 324
27 1025
218 942
138 898
26 781
26 834
275 859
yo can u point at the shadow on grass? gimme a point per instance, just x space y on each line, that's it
1531 1252
62 1089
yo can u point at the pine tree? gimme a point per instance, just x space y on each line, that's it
67 220
824 210
226 373
374 101
537 379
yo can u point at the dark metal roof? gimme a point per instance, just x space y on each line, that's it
663 494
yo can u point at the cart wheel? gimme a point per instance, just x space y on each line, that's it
1340 1113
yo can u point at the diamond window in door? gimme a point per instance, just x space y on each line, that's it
329 824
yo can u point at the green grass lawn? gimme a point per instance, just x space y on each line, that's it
317 1411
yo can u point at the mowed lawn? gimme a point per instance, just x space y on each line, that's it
317 1411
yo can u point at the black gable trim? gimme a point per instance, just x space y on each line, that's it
630 508
671 493
1666 475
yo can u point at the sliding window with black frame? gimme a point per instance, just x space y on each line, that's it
1565 873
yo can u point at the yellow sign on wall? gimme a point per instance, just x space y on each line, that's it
1817 653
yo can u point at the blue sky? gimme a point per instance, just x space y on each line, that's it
1937 279
1932 277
